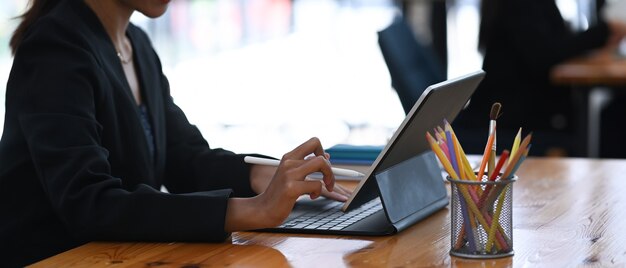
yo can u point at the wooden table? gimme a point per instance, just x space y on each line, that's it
566 212
599 68
592 76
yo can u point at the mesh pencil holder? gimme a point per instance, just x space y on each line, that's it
475 207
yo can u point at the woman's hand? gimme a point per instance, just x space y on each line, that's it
261 176
274 204
339 193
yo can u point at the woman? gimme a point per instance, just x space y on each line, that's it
91 134
521 41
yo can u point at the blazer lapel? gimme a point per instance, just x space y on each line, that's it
132 155
138 144
151 89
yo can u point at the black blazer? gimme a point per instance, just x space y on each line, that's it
74 160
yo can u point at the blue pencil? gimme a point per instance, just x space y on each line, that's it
469 232
451 147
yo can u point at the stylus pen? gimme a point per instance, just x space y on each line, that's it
273 162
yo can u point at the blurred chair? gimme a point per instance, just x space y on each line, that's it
413 66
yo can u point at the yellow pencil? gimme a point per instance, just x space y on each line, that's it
516 142
496 217
457 152
442 157
467 167
520 151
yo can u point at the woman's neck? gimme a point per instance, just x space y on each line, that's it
115 18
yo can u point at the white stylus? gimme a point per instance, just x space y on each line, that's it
273 162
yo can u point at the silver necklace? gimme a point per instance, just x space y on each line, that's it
124 60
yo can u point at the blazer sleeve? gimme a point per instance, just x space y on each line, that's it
56 89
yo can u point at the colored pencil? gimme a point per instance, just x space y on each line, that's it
496 217
523 146
519 162
486 154
442 158
453 156
467 167
467 224
444 147
494 175
516 142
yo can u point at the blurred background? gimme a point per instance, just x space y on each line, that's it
265 75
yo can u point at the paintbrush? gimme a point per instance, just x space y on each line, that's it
493 115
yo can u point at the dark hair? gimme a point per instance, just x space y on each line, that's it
37 8
488 13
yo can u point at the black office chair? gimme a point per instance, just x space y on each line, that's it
413 66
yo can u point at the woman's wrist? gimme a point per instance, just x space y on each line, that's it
237 215
252 213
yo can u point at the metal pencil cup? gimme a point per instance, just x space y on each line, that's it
481 218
